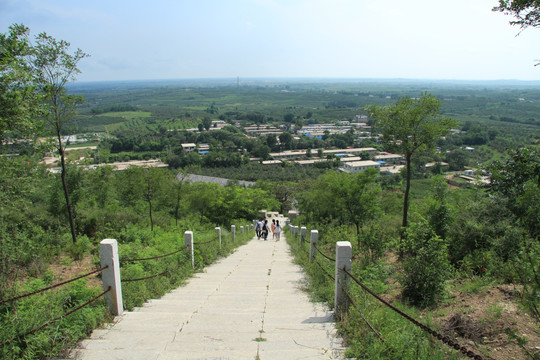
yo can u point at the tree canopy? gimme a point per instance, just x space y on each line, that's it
409 126
18 99
527 12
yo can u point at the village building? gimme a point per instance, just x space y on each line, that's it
359 166
189 147
388 158
306 163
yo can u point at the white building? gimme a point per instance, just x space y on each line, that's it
359 166
189 147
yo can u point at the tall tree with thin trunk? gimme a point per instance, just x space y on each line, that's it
409 126
154 180
55 66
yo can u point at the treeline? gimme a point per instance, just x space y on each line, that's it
104 202
112 108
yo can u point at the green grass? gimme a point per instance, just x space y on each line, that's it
134 242
402 339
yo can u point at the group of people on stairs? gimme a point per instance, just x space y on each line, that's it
262 229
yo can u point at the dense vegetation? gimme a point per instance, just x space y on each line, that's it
457 238
143 208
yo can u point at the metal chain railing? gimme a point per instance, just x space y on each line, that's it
2 302
155 257
445 339
324 255
151 258
146 277
324 271
56 319
349 297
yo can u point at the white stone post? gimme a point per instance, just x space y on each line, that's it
303 231
343 261
313 240
188 237
233 232
218 230
108 250
242 229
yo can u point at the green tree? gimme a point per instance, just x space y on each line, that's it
438 211
154 180
54 67
347 198
410 126
457 159
271 141
207 122
286 140
527 12
509 176
426 266
19 100
288 118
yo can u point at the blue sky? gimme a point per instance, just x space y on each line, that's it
182 39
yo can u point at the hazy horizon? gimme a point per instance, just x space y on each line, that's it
234 81
343 39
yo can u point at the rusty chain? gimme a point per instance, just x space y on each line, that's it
155 257
324 270
323 254
56 319
2 302
146 277
362 315
445 339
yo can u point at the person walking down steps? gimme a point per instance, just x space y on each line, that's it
265 230
277 230
258 228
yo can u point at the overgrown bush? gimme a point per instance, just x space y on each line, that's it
426 266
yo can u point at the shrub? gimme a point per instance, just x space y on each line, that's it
81 247
426 266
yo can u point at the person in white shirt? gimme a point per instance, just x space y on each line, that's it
277 230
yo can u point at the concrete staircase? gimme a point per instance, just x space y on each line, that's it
248 306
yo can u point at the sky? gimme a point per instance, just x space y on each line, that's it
349 39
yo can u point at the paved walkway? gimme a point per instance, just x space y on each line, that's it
247 306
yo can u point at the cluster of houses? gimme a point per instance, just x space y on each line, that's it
353 160
350 159
341 127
